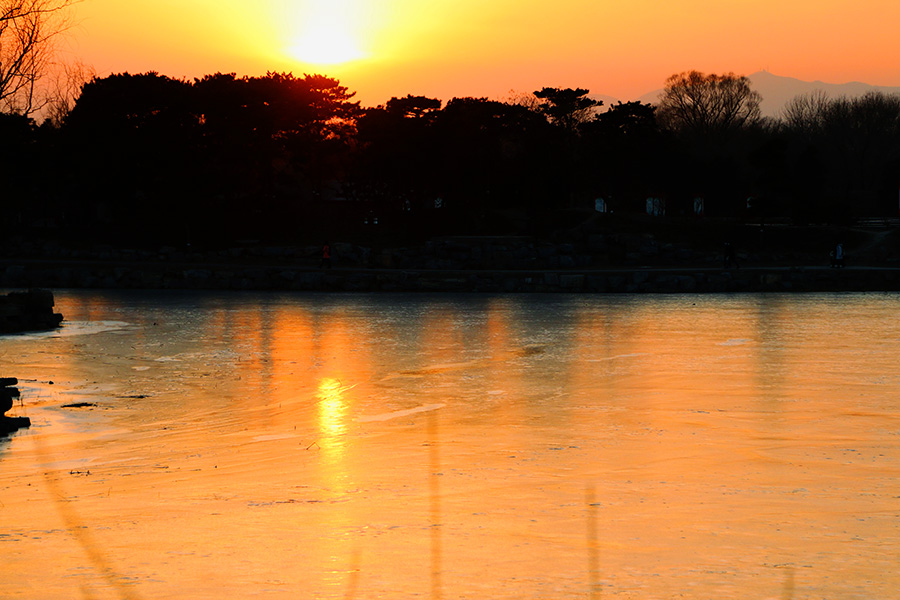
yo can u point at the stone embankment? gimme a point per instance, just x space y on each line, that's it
357 279
497 265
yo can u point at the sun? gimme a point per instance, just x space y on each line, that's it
326 47
327 36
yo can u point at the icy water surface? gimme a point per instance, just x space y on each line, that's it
521 447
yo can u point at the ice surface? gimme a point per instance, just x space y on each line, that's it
316 446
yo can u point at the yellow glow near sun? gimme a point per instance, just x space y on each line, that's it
328 34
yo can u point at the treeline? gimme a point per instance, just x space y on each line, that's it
148 159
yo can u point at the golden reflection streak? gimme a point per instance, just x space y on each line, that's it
332 407
442 343
593 545
507 382
434 457
329 346
294 351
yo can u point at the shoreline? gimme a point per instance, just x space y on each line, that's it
164 275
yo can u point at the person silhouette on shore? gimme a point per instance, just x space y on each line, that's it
837 260
326 257
730 256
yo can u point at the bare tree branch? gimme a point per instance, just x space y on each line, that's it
67 82
28 30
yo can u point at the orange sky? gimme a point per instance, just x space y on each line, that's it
486 48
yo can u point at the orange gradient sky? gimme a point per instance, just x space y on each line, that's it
487 48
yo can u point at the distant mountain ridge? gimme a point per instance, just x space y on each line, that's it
776 91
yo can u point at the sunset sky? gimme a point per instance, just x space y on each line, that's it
488 48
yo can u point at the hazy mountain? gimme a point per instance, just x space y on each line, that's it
777 91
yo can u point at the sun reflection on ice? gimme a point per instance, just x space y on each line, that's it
332 408
341 563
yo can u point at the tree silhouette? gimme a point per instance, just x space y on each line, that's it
805 114
19 160
148 159
493 156
414 107
132 140
626 154
711 106
567 107
221 156
864 145
714 118
396 162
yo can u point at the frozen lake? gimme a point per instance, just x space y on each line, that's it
438 447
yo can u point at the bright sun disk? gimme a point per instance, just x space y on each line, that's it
326 41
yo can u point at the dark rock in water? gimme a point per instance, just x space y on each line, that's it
7 394
28 311
11 424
